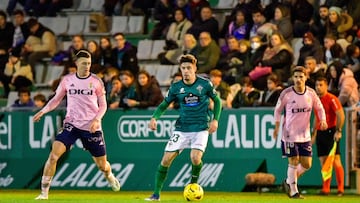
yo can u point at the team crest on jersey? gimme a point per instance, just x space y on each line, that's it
200 88
90 85
182 90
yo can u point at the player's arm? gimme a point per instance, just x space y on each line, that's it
340 118
320 112
277 114
217 112
157 114
53 103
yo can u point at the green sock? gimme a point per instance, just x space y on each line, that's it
160 178
195 172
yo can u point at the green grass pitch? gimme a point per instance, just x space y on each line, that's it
89 196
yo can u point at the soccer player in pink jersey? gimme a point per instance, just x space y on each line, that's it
86 105
297 102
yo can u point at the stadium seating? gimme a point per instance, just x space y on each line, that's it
59 25
119 24
157 48
144 49
164 74
136 24
13 95
76 24
296 44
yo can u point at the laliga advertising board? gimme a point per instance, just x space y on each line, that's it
243 144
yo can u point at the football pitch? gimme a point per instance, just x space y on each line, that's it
90 196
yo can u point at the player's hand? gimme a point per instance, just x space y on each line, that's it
337 136
323 125
275 133
153 124
213 126
94 125
38 116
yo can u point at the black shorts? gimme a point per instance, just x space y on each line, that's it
93 142
325 141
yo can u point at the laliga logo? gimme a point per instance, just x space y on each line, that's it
134 128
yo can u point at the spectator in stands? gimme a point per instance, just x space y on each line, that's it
196 7
279 56
183 5
189 47
311 47
282 22
248 7
147 92
127 88
178 28
6 39
313 71
114 97
164 15
21 32
229 58
207 23
257 50
317 25
175 78
105 51
39 100
339 23
269 9
337 53
124 55
302 11
208 53
258 20
17 73
24 99
78 43
353 60
343 84
329 41
248 96
94 49
222 89
40 44
107 77
238 27
272 92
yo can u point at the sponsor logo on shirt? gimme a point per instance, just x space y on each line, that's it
191 100
300 110
80 91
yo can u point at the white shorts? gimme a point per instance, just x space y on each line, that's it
185 140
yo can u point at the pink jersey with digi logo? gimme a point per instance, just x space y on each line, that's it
85 100
298 108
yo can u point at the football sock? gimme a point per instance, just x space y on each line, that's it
160 178
339 171
45 184
300 170
292 179
326 186
195 172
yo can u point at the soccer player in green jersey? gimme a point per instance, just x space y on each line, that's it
194 124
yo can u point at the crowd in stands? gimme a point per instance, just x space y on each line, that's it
248 57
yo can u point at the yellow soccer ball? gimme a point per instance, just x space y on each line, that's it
193 192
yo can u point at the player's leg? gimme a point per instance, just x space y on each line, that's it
196 156
291 179
325 184
58 149
161 174
104 166
339 172
198 145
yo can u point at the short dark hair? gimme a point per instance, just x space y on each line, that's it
3 14
300 69
187 58
322 78
24 90
119 33
32 22
83 53
18 12
40 97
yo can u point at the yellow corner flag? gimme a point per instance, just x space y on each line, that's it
326 170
